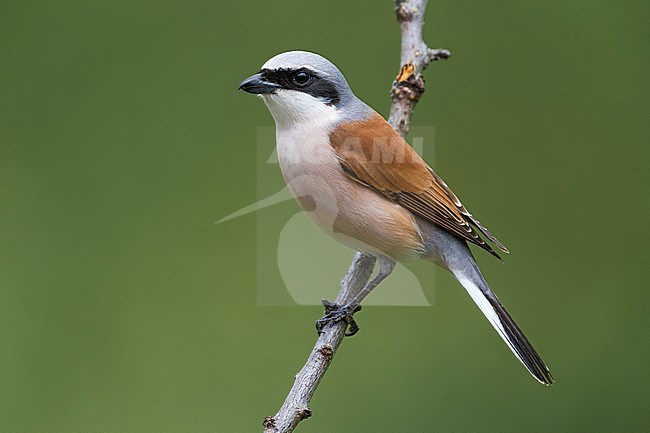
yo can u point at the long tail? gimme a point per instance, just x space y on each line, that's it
465 269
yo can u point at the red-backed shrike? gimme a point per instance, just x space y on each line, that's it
366 187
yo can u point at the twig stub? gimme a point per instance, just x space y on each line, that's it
269 423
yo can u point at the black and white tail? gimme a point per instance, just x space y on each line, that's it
467 272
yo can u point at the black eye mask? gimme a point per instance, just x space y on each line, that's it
292 79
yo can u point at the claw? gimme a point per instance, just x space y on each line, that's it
335 313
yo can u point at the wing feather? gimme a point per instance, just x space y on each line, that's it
373 154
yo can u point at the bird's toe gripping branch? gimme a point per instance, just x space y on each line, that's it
335 313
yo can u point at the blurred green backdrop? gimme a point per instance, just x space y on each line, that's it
123 308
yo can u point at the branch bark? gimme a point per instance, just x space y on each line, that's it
405 93
416 56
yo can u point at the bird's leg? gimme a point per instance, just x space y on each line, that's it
336 313
386 267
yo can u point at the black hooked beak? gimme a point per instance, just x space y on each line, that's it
257 85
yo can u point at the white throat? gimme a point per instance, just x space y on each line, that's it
289 107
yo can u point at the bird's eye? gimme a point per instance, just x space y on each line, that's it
301 78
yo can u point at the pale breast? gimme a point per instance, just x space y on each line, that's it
349 212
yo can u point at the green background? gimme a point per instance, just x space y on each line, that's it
123 308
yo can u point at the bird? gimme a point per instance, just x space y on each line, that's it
366 187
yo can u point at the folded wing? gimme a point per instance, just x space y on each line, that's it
373 154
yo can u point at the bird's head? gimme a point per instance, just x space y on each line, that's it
302 86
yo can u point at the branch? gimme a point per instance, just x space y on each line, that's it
296 405
416 56
406 91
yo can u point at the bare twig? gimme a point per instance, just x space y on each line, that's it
406 91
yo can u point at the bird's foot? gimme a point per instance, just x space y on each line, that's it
335 313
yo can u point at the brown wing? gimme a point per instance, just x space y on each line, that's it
373 154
